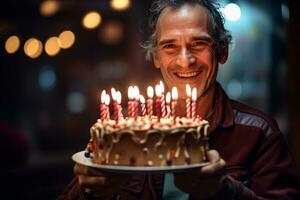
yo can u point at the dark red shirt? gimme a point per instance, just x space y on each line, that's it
259 165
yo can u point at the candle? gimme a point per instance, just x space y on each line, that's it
130 98
119 100
158 102
188 101
194 98
102 106
107 101
163 103
150 101
174 101
115 104
168 100
135 102
143 106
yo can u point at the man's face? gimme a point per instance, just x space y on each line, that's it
185 51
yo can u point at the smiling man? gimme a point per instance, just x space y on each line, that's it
250 158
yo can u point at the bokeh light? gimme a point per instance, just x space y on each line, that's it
120 5
91 20
12 44
47 78
52 46
49 7
232 12
76 102
33 47
112 32
67 39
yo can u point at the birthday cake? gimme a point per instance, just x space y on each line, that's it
147 140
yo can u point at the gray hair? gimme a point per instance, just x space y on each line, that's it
221 36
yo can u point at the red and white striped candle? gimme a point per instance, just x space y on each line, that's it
168 101
102 106
107 101
119 100
136 96
158 102
163 102
150 93
143 105
194 102
188 101
130 100
174 101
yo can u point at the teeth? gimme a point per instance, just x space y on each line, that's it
187 75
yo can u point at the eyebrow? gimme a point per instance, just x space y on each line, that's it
205 38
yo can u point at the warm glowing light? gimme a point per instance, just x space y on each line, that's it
33 47
103 95
188 90
162 87
52 46
158 90
111 32
118 97
142 99
91 20
12 44
174 93
113 93
168 97
150 92
130 92
120 5
107 100
194 94
49 7
67 39
136 93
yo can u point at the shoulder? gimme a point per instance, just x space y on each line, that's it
245 115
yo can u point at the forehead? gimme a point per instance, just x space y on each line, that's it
183 20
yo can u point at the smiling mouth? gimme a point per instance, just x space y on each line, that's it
187 74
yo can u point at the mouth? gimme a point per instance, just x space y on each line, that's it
187 74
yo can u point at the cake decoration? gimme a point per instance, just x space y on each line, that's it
145 139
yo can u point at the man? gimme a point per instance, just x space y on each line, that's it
250 159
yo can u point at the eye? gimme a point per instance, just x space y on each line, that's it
199 43
169 46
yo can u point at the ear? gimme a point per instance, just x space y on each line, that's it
223 55
156 61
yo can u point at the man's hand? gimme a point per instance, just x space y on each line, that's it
204 182
97 183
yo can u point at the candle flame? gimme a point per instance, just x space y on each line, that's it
113 94
107 100
174 93
168 97
194 94
162 87
188 90
103 94
150 92
130 92
157 91
136 93
118 97
142 99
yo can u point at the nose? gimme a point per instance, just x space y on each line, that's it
185 58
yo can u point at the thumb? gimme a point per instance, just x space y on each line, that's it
213 156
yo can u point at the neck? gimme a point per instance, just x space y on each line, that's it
204 104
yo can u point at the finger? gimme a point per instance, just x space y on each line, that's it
217 168
213 156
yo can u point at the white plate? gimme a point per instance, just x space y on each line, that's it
81 159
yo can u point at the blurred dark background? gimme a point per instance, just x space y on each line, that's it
57 55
